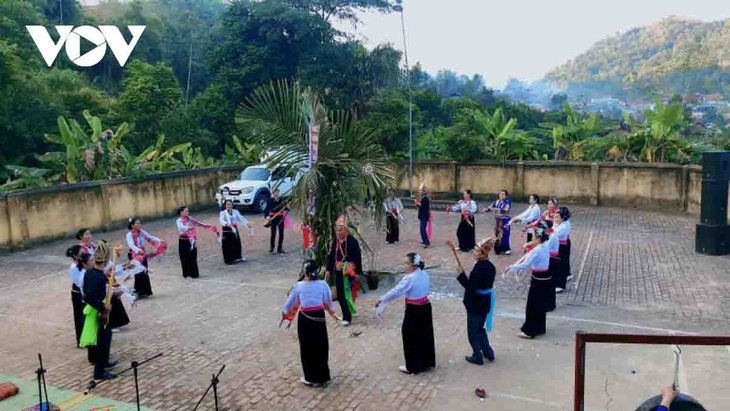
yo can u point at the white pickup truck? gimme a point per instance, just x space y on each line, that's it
253 187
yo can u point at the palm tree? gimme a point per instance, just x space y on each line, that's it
350 166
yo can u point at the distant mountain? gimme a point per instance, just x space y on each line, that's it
672 56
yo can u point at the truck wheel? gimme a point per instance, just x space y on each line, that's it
260 201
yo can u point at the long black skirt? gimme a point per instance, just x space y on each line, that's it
188 259
564 269
553 270
231 246
78 307
314 346
393 230
466 234
418 344
118 316
142 284
538 301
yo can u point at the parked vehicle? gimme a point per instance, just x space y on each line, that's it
254 186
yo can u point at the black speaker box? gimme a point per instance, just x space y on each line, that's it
712 239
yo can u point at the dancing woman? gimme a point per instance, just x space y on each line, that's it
417 328
186 245
529 216
501 207
231 222
136 239
76 272
466 232
479 301
393 215
562 229
539 296
86 241
313 297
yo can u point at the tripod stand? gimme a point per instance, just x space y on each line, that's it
133 367
41 376
213 384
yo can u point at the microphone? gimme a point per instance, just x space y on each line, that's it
90 386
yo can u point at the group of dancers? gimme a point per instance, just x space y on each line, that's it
546 255
97 299
98 310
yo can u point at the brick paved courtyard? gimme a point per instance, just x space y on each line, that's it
635 271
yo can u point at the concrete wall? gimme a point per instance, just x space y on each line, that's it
35 215
663 186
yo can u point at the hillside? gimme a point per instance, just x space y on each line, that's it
673 55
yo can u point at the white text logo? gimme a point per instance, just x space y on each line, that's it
71 37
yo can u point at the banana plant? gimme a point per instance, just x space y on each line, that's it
25 177
576 129
86 156
241 153
157 158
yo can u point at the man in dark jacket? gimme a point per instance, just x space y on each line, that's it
275 211
95 292
424 214
478 301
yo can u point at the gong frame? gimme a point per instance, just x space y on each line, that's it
582 339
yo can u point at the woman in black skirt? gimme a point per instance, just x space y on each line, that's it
187 247
466 232
541 291
417 329
231 224
76 271
313 297
136 239
562 229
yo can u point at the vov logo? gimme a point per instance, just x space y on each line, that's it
71 38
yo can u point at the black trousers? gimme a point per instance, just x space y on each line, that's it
314 346
477 333
277 224
78 306
99 354
340 287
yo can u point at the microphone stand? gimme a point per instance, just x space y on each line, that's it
93 384
213 384
41 375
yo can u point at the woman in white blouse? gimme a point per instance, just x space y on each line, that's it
76 272
529 216
417 328
313 297
232 222
136 239
466 232
186 229
541 286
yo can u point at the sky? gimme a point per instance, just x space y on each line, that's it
523 39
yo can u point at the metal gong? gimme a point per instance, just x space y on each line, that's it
683 402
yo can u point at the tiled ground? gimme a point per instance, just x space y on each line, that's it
636 272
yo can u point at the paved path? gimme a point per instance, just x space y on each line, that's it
636 272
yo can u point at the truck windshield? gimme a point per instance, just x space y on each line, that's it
255 174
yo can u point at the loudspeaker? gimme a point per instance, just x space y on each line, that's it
715 177
713 208
716 165
712 239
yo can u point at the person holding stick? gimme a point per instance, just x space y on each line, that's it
478 299
276 210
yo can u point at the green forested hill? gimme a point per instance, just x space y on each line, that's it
672 56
